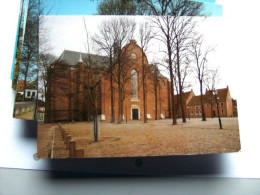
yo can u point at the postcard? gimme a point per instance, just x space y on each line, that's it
135 86
25 70
125 86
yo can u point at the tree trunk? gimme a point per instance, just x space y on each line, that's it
25 78
180 88
211 105
174 121
201 102
111 89
119 104
112 99
156 102
144 89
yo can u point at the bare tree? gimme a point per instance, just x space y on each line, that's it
117 7
211 81
145 36
113 35
164 24
173 31
45 61
154 76
200 60
185 70
174 7
122 30
105 42
183 28
29 53
122 7
20 38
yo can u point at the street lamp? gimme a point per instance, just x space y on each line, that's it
215 93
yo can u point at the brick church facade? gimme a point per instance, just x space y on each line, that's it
78 89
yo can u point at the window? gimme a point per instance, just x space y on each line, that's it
133 55
34 87
62 73
162 83
191 113
134 84
33 94
222 112
222 104
96 76
28 93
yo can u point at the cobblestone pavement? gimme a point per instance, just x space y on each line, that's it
154 138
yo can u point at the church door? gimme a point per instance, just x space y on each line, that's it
135 114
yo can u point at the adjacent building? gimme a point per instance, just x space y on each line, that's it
210 100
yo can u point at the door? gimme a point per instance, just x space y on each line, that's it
135 114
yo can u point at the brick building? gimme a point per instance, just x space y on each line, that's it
78 87
187 96
30 91
210 107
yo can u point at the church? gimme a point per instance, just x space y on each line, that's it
79 87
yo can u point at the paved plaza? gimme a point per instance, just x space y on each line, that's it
155 138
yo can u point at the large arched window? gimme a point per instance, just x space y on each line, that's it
134 84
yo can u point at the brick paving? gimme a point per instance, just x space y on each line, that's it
155 138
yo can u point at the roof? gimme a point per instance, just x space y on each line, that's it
185 95
73 57
20 85
195 100
29 85
222 94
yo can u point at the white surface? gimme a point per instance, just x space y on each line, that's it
17 150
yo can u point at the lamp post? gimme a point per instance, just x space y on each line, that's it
189 112
215 93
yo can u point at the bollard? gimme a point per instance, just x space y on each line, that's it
72 149
63 134
20 110
17 111
68 138
79 153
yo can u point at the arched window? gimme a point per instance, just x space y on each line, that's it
134 84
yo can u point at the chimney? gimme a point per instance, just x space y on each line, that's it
80 58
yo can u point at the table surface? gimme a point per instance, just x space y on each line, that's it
18 181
